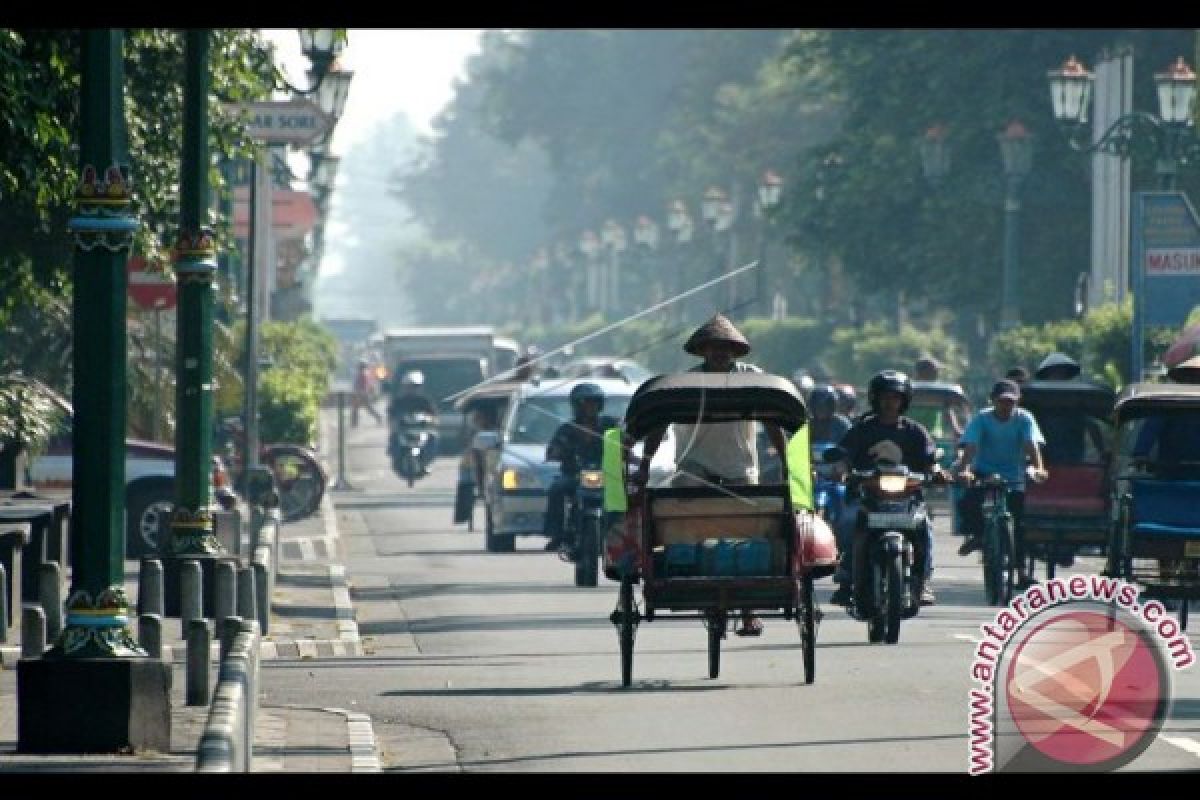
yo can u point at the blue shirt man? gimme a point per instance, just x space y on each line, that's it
997 442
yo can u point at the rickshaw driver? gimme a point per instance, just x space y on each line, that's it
575 445
998 440
883 435
724 453
1065 431
1177 438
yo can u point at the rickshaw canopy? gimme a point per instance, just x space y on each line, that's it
1149 399
1093 399
707 397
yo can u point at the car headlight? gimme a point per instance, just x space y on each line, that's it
514 478
591 479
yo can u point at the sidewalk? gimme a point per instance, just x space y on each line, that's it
311 617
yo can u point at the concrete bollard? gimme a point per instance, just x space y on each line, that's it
150 634
262 590
225 599
229 628
247 598
191 600
33 631
50 595
150 587
3 605
199 643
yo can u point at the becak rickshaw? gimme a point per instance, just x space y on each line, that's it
943 408
1070 510
705 551
1155 537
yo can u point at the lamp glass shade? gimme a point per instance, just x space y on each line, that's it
1070 91
1176 93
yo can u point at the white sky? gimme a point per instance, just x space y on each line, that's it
395 69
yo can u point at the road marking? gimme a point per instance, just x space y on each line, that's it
1183 743
364 756
965 637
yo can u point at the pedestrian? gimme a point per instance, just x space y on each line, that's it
724 453
364 380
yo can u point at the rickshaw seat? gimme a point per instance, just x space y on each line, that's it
1165 508
681 519
1071 490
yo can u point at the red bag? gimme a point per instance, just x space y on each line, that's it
816 551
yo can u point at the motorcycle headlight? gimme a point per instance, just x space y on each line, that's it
591 479
893 484
511 479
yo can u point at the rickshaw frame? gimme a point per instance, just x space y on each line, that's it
1172 545
706 398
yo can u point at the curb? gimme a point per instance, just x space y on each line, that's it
364 756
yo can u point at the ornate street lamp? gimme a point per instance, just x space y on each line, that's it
1016 148
770 193
935 156
1168 133
710 206
321 46
613 236
333 91
645 232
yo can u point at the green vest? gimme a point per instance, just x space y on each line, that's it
612 462
799 466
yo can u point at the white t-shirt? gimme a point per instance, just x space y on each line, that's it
728 450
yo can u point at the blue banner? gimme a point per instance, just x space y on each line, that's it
1165 264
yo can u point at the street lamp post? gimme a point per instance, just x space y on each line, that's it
613 237
645 236
96 690
770 193
1169 135
589 245
1016 148
679 222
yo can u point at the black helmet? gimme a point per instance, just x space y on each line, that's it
586 391
889 380
823 397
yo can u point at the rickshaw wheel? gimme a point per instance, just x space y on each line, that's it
807 620
1183 613
714 624
625 629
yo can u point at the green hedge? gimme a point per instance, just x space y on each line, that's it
290 392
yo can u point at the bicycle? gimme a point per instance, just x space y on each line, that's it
998 540
300 479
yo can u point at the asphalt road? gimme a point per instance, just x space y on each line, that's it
496 662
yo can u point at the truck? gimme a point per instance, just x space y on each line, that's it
452 359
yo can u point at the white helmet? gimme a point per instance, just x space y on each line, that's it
412 378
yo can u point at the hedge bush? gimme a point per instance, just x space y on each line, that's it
303 356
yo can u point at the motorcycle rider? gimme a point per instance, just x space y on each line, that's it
826 424
997 441
412 399
576 444
847 403
884 435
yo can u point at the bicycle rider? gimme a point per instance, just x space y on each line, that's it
998 441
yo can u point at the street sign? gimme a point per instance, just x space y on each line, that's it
293 213
297 122
151 290
1165 264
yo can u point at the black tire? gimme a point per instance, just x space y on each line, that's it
893 598
991 563
493 542
300 480
148 505
807 620
587 567
1008 567
716 626
1183 612
876 629
625 629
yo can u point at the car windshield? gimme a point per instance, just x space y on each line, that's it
537 418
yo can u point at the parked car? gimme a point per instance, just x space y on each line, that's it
517 474
149 480
624 369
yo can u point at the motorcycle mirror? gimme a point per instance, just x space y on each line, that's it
833 455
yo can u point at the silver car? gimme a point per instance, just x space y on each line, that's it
517 473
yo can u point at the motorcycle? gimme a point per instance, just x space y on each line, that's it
895 518
583 526
409 446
